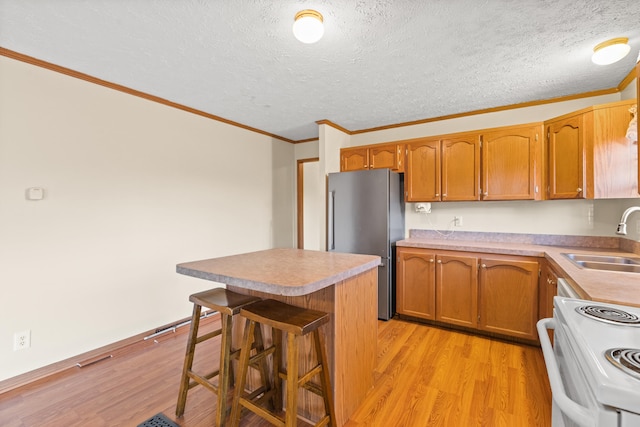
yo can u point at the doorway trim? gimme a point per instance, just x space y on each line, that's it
300 198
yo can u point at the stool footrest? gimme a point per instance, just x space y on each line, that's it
204 381
258 410
262 355
208 336
307 377
324 421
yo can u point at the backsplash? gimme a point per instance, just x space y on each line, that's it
601 242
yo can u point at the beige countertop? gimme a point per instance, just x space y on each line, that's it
598 285
283 271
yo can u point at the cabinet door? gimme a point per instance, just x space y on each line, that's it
548 290
457 290
566 159
387 156
509 164
415 283
422 181
353 159
461 168
508 297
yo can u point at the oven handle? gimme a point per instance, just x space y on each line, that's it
571 409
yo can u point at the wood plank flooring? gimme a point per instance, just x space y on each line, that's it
425 376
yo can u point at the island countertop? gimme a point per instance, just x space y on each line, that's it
282 271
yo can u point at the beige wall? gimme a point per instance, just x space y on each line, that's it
132 187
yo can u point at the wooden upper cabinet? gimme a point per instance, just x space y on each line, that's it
511 164
508 296
567 179
387 156
378 156
422 181
461 168
415 288
589 155
354 159
443 169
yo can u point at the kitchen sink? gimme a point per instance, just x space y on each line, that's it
606 262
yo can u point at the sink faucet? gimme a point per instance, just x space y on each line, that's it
622 227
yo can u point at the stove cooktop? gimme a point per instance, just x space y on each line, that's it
606 338
609 314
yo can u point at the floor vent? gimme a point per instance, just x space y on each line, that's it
158 420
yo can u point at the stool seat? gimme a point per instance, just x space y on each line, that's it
294 322
228 304
285 317
222 300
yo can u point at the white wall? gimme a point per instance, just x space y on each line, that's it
132 188
570 217
630 91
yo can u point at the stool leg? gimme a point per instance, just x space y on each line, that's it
262 367
291 415
225 372
325 377
243 367
188 360
276 336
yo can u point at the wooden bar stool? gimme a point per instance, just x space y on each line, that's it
295 322
228 304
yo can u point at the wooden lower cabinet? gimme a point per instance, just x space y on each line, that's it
548 290
415 283
457 290
493 293
508 302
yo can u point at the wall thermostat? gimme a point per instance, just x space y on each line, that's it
35 193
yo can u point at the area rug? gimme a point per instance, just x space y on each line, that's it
158 420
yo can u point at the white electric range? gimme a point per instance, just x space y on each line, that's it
594 363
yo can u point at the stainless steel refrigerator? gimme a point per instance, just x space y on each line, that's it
366 216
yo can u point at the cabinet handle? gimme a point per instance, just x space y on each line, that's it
437 194
579 190
439 261
486 193
484 266
431 260
444 194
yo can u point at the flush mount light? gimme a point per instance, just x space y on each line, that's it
308 27
610 51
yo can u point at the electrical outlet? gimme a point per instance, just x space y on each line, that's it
21 340
457 221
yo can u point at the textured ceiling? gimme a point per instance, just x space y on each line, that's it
380 62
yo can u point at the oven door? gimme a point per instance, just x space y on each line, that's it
574 404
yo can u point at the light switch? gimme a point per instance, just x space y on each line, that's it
35 193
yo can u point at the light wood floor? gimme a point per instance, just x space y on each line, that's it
425 376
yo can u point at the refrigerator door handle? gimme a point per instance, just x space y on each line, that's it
331 235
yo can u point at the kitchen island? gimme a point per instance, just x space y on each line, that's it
343 285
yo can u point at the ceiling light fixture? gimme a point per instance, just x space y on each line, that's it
308 27
610 51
